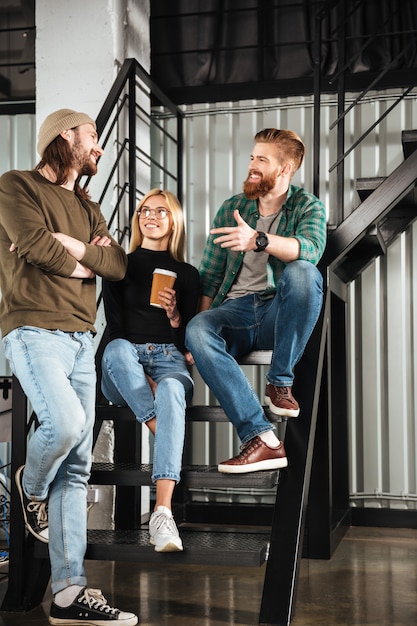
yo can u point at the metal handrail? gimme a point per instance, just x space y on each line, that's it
371 128
321 14
122 96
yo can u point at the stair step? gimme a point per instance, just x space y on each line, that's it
365 186
194 476
121 474
256 357
200 547
409 141
201 476
197 413
214 413
111 412
203 548
361 255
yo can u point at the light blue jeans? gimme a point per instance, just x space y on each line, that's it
124 383
282 323
57 372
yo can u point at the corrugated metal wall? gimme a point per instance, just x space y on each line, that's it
18 141
382 338
382 326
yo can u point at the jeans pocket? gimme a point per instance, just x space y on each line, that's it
174 355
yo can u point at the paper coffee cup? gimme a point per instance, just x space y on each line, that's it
160 279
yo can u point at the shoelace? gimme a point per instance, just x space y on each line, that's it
246 448
284 392
95 600
41 511
163 522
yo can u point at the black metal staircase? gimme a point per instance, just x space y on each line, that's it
279 542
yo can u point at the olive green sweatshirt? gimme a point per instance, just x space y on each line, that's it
35 283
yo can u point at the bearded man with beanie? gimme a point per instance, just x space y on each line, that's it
54 241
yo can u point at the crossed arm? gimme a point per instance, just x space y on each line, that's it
76 249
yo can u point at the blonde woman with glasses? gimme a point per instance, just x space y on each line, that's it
144 365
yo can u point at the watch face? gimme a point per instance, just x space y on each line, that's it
261 242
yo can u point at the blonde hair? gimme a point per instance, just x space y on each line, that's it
176 244
289 144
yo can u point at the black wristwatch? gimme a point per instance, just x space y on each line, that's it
261 242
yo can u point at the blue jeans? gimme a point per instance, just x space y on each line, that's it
282 323
124 383
57 372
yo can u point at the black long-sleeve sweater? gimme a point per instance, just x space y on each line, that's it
128 312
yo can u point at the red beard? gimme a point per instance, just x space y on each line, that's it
253 191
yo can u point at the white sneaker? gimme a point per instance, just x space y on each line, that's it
163 531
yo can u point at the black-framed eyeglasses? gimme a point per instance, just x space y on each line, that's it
159 213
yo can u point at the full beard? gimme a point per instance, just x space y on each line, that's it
82 160
89 168
253 191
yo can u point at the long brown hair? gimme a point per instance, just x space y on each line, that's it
58 156
176 244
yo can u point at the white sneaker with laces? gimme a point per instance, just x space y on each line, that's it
163 531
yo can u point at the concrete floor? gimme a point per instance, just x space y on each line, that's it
371 580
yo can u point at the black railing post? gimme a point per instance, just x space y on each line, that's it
180 159
316 104
287 532
340 208
132 144
28 575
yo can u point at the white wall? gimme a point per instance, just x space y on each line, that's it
80 47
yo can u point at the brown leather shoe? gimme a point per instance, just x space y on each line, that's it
254 456
281 401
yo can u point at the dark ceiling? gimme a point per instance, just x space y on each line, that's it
17 52
220 50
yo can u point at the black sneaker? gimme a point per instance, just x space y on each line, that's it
35 513
90 607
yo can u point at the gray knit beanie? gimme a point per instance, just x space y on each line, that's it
57 122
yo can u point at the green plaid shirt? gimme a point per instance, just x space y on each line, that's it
303 216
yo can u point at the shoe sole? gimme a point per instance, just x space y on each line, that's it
22 497
269 464
168 547
56 621
282 412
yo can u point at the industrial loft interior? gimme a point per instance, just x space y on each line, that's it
332 539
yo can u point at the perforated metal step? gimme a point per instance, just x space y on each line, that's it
197 413
201 476
121 474
213 413
203 548
193 476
